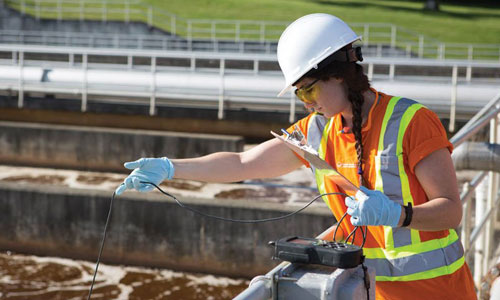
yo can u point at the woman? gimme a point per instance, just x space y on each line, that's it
394 148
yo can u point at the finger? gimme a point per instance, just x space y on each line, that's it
129 182
350 202
355 221
350 211
136 183
120 189
145 188
134 164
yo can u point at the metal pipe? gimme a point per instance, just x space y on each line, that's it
477 156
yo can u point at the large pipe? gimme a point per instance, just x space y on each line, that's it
477 156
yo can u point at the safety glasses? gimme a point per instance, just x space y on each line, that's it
308 93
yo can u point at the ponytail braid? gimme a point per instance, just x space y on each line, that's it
357 100
355 83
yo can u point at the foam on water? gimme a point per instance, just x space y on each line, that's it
33 277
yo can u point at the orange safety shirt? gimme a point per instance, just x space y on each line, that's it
425 134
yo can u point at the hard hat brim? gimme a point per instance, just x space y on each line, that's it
283 91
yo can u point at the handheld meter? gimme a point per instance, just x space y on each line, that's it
314 251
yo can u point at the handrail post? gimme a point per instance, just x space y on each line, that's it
173 23
420 46
152 99
470 52
370 71
189 30
84 81
481 191
213 34
466 224
441 51
393 36
20 100
453 101
262 32
366 34
237 31
392 71
220 113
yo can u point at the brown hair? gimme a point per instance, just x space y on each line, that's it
355 83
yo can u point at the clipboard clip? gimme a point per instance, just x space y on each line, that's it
298 138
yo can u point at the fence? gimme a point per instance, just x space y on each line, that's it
374 34
152 63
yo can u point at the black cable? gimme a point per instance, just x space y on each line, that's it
364 233
235 220
353 234
102 244
338 225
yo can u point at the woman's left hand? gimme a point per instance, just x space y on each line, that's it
375 209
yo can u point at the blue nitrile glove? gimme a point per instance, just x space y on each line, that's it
375 209
153 170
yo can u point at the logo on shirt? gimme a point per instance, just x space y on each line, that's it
347 165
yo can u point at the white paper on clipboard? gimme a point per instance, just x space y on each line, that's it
309 154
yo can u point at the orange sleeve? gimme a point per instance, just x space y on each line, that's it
302 124
424 135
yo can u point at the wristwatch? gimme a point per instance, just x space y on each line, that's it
409 215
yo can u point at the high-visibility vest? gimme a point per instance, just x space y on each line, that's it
404 257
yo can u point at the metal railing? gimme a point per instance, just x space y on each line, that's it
133 41
217 63
374 34
479 237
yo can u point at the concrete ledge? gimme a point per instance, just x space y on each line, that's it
100 149
148 229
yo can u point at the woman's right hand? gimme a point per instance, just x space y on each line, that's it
153 170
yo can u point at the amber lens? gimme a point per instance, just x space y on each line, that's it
307 95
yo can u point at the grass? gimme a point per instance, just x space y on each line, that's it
456 22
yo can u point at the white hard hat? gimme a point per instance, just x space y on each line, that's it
308 41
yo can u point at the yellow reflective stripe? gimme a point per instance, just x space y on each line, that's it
405 184
388 237
320 174
411 249
324 139
444 270
388 113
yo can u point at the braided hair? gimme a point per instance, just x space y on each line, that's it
355 83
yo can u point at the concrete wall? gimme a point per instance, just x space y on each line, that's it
148 229
100 149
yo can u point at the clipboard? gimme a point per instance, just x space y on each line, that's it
305 151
